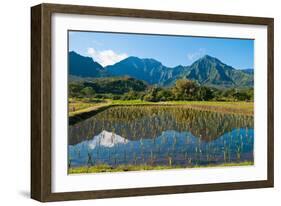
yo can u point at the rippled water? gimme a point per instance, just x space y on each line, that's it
161 135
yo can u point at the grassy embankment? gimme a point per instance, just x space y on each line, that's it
122 168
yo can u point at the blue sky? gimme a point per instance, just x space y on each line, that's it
109 48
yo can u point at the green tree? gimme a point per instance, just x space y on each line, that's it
205 94
250 93
164 95
88 91
185 89
130 95
241 96
151 95
75 89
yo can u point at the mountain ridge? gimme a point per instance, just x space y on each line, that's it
82 66
211 71
207 70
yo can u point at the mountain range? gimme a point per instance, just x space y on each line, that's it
207 70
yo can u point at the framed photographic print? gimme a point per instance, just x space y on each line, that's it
130 102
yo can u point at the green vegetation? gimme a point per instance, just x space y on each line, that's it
81 105
134 122
88 96
110 88
127 88
78 106
123 168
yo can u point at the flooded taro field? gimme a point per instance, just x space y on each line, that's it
123 138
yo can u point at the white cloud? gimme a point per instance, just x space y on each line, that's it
196 55
106 57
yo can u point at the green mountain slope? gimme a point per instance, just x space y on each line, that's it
81 66
149 70
211 71
208 71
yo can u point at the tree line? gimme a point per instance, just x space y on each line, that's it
131 89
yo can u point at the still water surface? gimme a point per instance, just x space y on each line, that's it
161 135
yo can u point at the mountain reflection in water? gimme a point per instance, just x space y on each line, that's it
156 135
